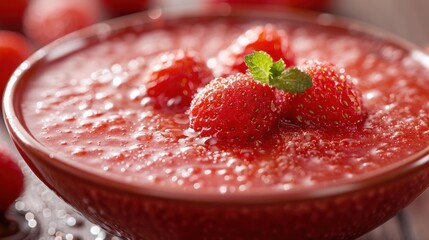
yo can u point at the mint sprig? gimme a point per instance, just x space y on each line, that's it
264 69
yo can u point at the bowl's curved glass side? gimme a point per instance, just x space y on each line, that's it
138 216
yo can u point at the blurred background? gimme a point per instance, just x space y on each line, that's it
407 19
26 25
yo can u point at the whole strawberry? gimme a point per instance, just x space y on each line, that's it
14 49
175 78
11 180
11 13
46 20
332 101
265 38
236 108
244 107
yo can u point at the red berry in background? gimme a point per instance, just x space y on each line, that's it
11 13
265 38
11 180
175 78
14 49
48 20
306 4
122 7
332 101
235 109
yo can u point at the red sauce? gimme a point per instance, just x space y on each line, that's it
90 108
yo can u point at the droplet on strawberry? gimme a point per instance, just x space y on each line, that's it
175 78
236 109
47 20
332 102
265 38
244 107
11 180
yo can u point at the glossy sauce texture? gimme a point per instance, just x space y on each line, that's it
90 108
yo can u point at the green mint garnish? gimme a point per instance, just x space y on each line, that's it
263 69
293 80
277 68
259 64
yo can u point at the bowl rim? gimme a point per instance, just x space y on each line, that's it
388 174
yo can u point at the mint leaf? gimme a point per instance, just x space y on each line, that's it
259 64
276 69
262 68
293 80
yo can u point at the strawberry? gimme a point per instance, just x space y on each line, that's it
47 20
243 107
332 101
236 108
175 78
11 13
265 38
11 180
14 49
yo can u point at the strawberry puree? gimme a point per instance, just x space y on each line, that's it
90 108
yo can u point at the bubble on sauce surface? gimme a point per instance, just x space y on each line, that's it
147 46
